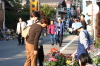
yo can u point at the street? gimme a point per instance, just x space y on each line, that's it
14 55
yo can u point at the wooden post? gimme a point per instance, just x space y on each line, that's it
38 5
30 6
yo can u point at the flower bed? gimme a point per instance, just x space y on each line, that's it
55 58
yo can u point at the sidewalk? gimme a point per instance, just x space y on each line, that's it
70 49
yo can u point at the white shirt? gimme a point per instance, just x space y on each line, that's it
23 25
73 25
29 22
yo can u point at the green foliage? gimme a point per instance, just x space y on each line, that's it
52 63
61 60
48 11
12 18
16 3
96 59
97 43
26 8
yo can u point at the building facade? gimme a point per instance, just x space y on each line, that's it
2 13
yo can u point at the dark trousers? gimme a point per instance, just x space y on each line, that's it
41 56
59 38
20 39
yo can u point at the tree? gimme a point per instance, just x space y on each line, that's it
16 3
13 15
48 11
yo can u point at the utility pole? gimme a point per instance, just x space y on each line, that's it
38 5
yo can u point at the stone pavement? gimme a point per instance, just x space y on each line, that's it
13 55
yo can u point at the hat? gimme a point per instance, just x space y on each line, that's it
78 25
59 18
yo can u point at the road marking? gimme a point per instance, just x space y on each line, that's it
67 44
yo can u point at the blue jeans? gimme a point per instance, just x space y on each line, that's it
52 38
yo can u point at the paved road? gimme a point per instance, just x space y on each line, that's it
13 55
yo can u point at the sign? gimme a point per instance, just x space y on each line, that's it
97 0
92 9
68 3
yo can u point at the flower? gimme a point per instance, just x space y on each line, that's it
68 62
55 58
52 59
95 55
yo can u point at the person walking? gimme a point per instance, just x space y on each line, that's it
83 21
52 31
84 42
59 31
32 41
20 26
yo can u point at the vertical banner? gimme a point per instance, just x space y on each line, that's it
68 3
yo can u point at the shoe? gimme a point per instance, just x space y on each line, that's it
52 44
22 44
56 43
18 44
59 45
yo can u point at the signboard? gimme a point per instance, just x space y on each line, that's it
92 9
68 3
97 0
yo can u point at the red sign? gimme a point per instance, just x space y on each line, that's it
68 3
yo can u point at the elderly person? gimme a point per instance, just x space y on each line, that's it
84 41
59 31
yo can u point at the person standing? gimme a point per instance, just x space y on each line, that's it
83 21
84 42
20 26
33 39
52 31
59 31
33 20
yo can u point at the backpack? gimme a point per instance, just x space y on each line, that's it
25 32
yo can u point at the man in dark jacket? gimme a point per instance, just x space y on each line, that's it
83 21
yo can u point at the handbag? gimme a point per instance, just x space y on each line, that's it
25 32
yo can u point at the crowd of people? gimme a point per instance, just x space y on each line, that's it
56 29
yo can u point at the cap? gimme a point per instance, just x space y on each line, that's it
78 25
59 18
